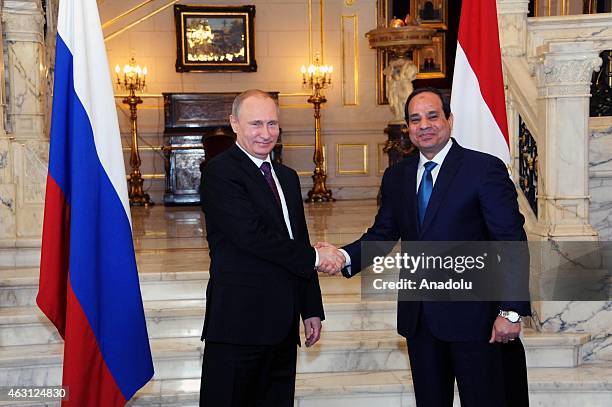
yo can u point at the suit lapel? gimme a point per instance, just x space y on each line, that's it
257 177
410 202
445 177
290 198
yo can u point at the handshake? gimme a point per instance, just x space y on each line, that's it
331 260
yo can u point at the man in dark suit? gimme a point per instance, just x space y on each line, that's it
262 269
449 193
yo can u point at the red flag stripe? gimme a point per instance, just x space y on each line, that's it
86 375
54 258
479 39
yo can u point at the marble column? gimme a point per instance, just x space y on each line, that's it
512 20
563 77
24 148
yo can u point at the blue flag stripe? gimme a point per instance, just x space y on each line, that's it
102 268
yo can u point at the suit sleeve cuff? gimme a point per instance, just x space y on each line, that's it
347 260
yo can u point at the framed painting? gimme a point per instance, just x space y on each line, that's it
431 59
215 38
430 13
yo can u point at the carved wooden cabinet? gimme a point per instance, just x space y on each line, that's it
189 118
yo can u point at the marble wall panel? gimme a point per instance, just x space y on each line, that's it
6 173
23 157
26 94
601 206
7 211
600 182
593 317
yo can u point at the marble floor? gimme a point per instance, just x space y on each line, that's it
360 360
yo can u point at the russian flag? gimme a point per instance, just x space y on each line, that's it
88 277
478 102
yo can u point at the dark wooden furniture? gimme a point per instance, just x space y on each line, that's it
196 128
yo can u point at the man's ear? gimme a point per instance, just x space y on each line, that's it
450 121
234 123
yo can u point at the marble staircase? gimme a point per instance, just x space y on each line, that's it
360 360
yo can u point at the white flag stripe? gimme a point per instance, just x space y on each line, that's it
79 28
474 126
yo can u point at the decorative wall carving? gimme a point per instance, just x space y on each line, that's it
22 21
562 71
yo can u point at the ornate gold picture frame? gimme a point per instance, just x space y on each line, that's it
215 38
430 13
431 59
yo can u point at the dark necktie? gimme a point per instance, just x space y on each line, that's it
266 168
425 188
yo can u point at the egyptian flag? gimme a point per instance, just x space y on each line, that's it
478 103
88 277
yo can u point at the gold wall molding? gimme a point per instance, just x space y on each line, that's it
140 20
340 148
125 13
151 176
147 148
306 150
142 95
350 56
302 95
154 176
380 156
311 51
564 7
281 104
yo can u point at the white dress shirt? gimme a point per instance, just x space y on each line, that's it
438 159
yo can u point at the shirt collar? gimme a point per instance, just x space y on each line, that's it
438 158
257 161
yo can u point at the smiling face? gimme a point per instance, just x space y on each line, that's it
256 126
429 129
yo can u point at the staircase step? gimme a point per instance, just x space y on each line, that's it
588 385
181 318
182 357
337 351
560 387
18 287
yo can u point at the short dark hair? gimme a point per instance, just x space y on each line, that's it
445 103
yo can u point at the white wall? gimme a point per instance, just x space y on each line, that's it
282 30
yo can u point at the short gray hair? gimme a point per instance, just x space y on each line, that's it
247 94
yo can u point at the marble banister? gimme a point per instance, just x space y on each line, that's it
548 65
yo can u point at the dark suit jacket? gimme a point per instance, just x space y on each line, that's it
261 281
473 199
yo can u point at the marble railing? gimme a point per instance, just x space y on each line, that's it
548 63
548 66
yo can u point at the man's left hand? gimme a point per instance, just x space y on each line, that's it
504 330
312 330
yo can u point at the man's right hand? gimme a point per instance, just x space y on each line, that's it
331 260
